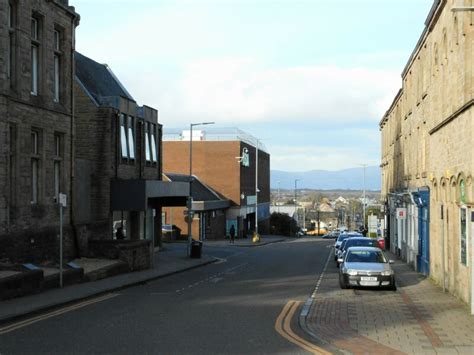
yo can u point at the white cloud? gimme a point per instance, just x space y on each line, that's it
305 158
241 90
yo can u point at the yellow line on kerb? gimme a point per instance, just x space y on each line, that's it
27 322
283 327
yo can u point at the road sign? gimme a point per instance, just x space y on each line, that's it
401 213
63 200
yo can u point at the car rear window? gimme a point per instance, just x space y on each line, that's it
361 243
366 256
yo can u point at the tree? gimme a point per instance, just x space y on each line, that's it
282 224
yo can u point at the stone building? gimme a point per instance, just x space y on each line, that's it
427 154
118 164
225 160
36 125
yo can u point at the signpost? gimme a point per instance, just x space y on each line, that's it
62 204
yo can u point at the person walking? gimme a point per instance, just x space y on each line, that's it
232 234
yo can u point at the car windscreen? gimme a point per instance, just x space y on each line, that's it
365 256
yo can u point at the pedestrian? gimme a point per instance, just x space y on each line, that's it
120 235
232 234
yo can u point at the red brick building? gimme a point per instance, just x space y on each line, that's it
225 160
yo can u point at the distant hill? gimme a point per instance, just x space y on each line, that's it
347 179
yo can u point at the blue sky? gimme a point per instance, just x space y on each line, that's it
310 77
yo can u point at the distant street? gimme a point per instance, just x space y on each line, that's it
227 307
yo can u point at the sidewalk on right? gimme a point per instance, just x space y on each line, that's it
419 318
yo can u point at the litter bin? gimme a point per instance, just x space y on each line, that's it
196 248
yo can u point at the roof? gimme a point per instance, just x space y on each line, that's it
220 134
200 191
98 80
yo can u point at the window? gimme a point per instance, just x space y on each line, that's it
35 166
147 142
463 234
57 65
131 138
154 157
11 43
127 137
57 164
123 137
34 55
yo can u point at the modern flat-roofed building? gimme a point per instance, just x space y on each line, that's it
226 161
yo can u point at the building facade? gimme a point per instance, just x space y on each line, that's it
427 155
36 125
226 161
118 162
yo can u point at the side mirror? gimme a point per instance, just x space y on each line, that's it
391 262
340 261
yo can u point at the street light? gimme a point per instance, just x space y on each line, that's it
363 201
296 189
190 198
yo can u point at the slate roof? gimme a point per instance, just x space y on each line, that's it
98 80
200 191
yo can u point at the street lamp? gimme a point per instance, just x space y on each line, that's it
363 201
296 196
190 198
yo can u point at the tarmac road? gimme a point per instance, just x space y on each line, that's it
229 307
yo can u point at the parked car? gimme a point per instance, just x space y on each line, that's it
341 238
354 242
331 235
366 267
170 231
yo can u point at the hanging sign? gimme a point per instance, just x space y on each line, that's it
245 157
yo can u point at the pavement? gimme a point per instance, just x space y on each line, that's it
419 318
168 261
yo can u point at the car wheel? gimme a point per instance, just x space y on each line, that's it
342 283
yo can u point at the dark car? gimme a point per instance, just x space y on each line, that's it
366 267
355 242
341 238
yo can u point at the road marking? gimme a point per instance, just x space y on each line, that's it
24 323
283 327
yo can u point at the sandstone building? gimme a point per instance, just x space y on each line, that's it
36 125
428 155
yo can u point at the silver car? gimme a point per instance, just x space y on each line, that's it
366 267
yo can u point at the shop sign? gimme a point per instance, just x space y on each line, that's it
401 213
245 157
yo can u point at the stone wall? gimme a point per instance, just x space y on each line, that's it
427 136
28 231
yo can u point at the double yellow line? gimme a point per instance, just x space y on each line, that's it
20 324
283 327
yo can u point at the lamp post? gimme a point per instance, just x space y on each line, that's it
363 201
256 189
190 198
296 199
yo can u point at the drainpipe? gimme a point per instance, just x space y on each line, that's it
74 21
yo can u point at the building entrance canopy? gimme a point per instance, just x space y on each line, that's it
133 195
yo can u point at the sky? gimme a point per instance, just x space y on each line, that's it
310 78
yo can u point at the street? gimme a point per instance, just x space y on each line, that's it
227 307
279 298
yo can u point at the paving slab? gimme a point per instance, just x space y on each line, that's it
419 318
